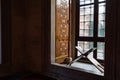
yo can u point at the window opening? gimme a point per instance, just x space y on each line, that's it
91 28
89 31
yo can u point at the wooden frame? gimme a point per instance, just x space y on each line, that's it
112 55
5 66
5 31
95 37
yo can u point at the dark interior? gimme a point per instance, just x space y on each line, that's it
26 29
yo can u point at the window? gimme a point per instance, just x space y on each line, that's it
90 30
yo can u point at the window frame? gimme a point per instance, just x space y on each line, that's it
95 37
111 20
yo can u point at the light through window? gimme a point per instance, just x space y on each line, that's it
86 20
91 29
87 29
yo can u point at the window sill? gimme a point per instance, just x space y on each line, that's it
89 68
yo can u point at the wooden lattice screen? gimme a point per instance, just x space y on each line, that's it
62 30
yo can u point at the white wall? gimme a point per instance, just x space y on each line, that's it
52 31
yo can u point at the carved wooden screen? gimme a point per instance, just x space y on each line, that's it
62 30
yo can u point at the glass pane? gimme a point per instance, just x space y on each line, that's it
101 0
92 1
86 29
101 29
82 10
86 16
87 1
82 2
101 20
82 24
81 32
86 32
100 50
85 45
89 9
102 8
87 25
62 30
101 16
82 18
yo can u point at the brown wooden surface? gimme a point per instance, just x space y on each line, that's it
61 31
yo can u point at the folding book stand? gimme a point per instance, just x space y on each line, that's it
91 59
